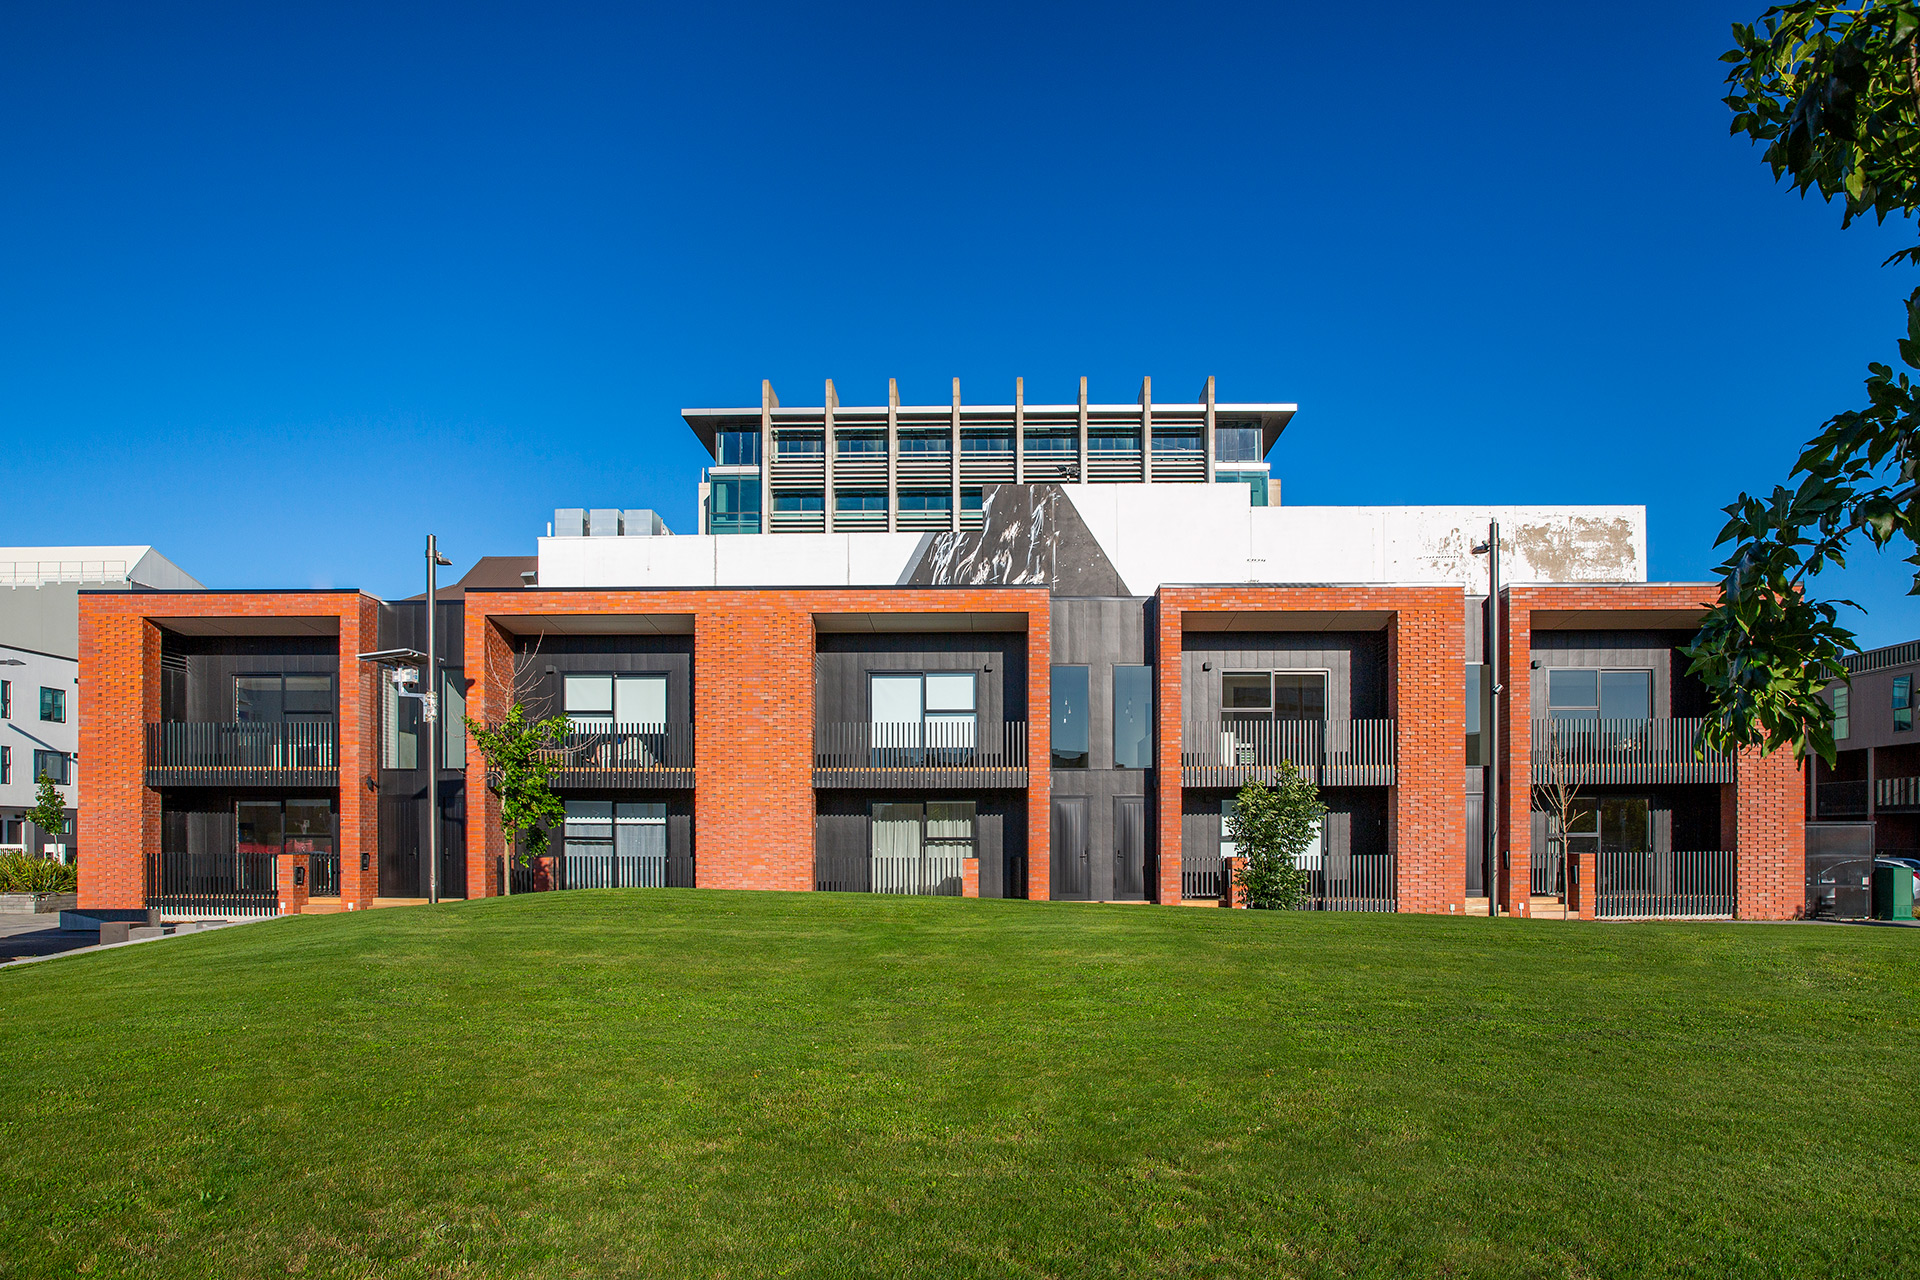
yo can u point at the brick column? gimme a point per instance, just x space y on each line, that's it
119 696
1770 836
1168 704
358 819
292 872
489 663
1425 655
753 739
1515 787
1040 749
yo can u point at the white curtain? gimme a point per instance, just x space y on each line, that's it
896 848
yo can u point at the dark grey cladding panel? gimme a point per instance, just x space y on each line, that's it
1030 535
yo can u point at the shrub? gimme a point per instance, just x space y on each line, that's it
24 873
1272 827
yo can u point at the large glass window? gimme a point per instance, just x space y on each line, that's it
1586 693
1113 440
1236 442
615 845
1274 695
6 765
1842 725
1072 712
282 697
860 500
798 503
1902 704
922 443
1610 824
935 711
6 699
862 443
53 705
53 765
737 448
1177 440
599 702
926 500
1132 717
799 444
1256 482
453 728
733 504
1474 670
987 441
921 848
1053 442
399 729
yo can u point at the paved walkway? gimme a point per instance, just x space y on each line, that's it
28 934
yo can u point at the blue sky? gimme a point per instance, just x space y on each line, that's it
288 286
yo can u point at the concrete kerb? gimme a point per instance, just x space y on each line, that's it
137 934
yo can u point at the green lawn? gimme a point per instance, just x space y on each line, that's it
734 1084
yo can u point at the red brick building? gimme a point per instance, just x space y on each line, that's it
965 677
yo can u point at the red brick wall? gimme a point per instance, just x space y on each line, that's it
753 711
1427 811
120 696
1770 837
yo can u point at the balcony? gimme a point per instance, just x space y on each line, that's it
1328 753
1895 793
625 756
1841 799
1624 753
920 756
261 753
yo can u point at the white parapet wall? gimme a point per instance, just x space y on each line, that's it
1159 534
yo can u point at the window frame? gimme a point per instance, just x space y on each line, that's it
6 765
299 717
934 715
1114 701
6 699
1599 693
1271 713
1903 704
595 724
1055 692
58 703
1842 704
724 438
746 516
41 757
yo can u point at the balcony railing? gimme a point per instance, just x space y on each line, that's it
1841 799
181 884
930 754
1624 753
1896 793
1329 753
1652 886
625 755
268 753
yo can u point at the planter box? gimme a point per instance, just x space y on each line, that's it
39 903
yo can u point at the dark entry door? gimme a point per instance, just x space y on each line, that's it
1070 871
1130 848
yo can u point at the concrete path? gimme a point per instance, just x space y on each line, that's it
27 935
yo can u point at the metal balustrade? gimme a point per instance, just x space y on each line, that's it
930 754
624 755
606 869
1230 753
291 753
1631 752
213 884
1646 886
1337 882
1894 793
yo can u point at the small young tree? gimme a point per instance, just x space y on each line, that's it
49 811
521 759
1557 793
1272 827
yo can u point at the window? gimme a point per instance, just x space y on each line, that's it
863 443
921 848
399 729
1111 440
13 833
1902 704
290 826
1177 441
1587 693
860 500
799 444
282 697
1132 717
1841 727
1053 442
1274 695
971 499
1474 672
926 500
1610 824
53 705
1236 442
792 503
53 765
453 729
1071 713
611 845
599 702
733 504
987 441
1256 482
933 711
737 448
6 765
6 699
922 443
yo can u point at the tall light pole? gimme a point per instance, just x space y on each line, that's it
1490 731
430 712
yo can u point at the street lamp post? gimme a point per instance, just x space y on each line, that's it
430 713
1490 731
